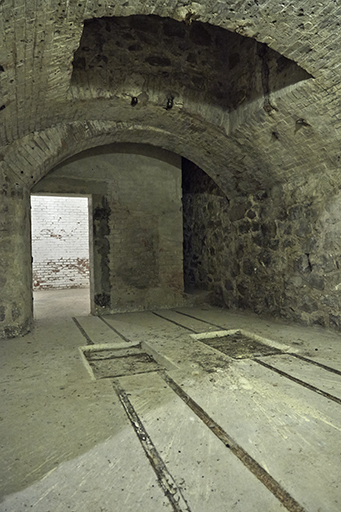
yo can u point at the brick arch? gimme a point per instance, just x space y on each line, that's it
35 156
227 151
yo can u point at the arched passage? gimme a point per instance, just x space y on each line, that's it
136 223
22 169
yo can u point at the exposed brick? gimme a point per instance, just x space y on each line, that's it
60 242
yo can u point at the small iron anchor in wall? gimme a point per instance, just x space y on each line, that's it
170 103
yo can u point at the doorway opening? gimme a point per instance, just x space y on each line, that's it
204 207
60 255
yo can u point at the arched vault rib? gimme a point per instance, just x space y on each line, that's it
238 163
37 154
258 151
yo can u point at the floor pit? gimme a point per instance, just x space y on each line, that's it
240 346
114 363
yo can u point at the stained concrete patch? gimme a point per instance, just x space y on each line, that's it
240 344
105 362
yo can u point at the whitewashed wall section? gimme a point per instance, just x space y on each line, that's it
60 242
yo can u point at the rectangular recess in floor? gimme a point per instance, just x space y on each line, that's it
240 344
104 362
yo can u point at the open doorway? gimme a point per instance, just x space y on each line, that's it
205 232
60 255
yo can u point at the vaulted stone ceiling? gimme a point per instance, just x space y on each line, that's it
171 63
243 128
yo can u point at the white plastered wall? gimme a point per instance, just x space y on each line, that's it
60 242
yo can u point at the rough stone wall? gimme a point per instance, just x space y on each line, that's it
313 288
137 224
270 252
60 242
206 229
162 59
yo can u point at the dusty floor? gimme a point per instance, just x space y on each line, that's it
199 431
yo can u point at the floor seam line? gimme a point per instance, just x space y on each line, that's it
164 477
174 322
199 320
249 462
319 391
316 363
88 339
115 330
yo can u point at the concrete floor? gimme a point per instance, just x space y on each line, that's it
206 433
